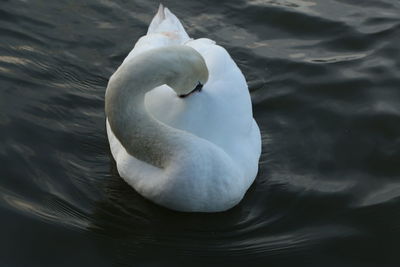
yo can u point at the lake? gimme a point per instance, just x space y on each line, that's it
324 77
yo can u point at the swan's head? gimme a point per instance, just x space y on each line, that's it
190 71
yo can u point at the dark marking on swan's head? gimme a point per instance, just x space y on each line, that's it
198 88
185 68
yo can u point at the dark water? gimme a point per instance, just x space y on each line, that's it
324 77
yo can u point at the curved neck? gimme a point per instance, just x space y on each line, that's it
142 136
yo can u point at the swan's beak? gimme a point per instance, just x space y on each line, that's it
196 89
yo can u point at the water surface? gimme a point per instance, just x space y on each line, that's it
324 77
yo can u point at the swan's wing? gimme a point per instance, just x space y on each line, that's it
165 29
165 22
221 113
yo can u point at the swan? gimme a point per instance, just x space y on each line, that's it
179 121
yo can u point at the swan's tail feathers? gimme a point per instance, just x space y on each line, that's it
165 22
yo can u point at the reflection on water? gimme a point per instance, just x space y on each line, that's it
324 80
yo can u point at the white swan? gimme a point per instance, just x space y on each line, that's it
195 153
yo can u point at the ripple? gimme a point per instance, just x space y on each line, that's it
324 80
21 36
337 58
54 212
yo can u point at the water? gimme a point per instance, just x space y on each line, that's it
324 78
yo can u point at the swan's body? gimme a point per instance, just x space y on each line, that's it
198 153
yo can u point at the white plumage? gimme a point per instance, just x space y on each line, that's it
219 158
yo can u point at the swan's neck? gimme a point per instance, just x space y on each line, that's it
142 136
